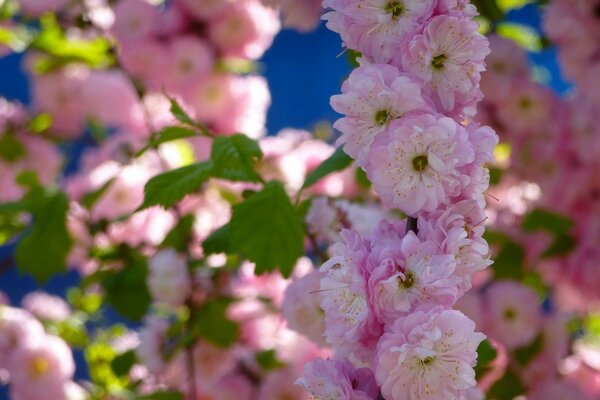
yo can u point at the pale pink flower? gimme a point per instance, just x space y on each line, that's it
18 328
61 94
372 97
205 10
35 8
46 307
134 20
377 28
513 314
428 356
558 390
151 348
146 60
416 165
190 58
280 385
351 326
301 15
212 363
506 62
458 230
415 273
302 307
247 113
456 8
169 278
449 58
338 379
527 107
41 371
246 29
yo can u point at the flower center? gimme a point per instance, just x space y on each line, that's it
525 103
427 360
420 163
38 366
408 281
382 117
438 61
396 8
510 314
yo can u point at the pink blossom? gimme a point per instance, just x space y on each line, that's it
558 390
338 379
190 58
458 230
35 8
513 313
415 274
280 385
350 323
18 328
449 58
245 30
146 60
302 307
169 278
377 28
150 350
456 8
134 20
46 307
372 97
428 355
205 10
41 371
248 111
416 165
301 15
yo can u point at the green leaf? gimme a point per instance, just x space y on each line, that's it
11 149
362 179
266 230
28 179
234 158
546 220
10 225
506 388
526 353
509 263
212 324
162 395
168 134
489 9
171 133
90 199
506 5
122 363
562 245
268 360
181 235
180 114
523 35
40 123
486 353
338 161
168 188
95 52
43 251
126 290
218 241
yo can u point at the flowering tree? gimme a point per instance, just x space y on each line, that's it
426 257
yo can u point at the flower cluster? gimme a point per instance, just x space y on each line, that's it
388 294
37 364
